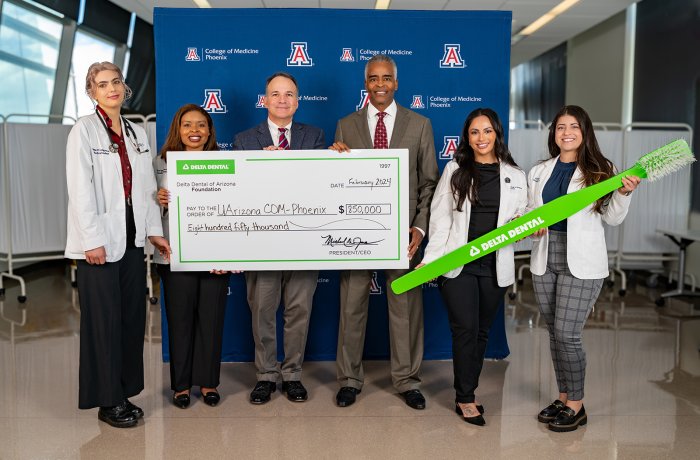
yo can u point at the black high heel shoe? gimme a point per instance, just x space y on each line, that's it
182 400
211 398
477 420
480 408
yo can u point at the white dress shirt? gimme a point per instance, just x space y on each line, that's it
389 120
275 132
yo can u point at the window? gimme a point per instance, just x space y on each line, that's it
29 44
87 49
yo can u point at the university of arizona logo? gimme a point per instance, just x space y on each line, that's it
452 59
364 100
261 102
212 101
417 102
192 55
347 55
374 287
300 56
449 148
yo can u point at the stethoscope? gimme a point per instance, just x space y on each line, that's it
128 129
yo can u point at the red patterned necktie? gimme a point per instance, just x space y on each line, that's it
283 142
381 141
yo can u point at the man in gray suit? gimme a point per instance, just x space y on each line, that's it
266 288
385 124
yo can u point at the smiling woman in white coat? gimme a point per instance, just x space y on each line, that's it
480 190
569 259
111 211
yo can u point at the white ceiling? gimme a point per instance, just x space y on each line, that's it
582 16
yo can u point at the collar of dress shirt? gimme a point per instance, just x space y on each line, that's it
275 133
372 110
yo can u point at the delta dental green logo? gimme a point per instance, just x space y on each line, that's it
206 167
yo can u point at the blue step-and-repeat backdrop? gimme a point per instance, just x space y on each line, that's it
449 63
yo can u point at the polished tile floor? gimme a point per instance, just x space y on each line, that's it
642 394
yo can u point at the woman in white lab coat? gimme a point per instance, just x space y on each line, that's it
480 190
111 211
569 259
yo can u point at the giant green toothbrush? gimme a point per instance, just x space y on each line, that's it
653 165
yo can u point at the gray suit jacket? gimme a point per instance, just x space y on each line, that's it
304 137
413 132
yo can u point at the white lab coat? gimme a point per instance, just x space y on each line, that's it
160 166
586 252
96 205
449 228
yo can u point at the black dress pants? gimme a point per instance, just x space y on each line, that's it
195 305
112 325
472 299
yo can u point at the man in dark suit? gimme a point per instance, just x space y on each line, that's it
266 288
385 124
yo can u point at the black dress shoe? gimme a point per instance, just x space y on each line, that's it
480 408
262 391
295 391
182 400
550 412
134 409
414 399
346 396
117 416
477 420
567 420
211 398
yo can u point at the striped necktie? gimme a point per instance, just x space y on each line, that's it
283 142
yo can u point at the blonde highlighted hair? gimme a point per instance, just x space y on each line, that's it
97 67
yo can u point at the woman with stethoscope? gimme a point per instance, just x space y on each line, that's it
111 211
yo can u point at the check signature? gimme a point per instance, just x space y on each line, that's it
347 241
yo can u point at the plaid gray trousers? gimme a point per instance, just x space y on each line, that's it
565 302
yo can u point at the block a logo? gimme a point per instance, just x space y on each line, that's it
192 55
261 102
299 56
449 148
417 102
212 101
364 100
452 59
347 55
374 287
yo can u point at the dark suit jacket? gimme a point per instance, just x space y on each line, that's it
304 137
413 132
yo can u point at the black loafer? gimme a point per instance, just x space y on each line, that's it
133 408
182 400
567 420
550 412
477 420
211 398
295 391
346 396
117 416
262 391
414 399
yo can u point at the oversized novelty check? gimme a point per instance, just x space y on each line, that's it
288 210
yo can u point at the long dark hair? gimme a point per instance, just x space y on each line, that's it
465 180
594 166
173 141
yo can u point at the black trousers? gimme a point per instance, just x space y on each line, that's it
472 302
112 325
195 305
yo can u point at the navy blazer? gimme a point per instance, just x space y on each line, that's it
304 137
